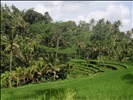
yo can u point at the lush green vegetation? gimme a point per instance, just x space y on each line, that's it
113 85
62 60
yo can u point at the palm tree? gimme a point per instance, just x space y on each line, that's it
10 29
10 45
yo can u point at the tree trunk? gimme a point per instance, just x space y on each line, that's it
79 54
10 84
57 48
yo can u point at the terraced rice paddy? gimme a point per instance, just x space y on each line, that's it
88 80
92 67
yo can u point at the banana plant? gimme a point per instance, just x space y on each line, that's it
5 79
20 75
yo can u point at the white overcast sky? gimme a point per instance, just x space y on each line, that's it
82 10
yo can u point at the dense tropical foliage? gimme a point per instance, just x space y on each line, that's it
35 49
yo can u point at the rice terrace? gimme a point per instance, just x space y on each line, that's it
46 58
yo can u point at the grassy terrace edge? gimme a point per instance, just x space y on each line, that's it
108 85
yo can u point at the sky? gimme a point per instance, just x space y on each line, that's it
82 10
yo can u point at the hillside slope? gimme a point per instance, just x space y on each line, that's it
113 85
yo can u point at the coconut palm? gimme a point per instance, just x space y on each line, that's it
12 27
